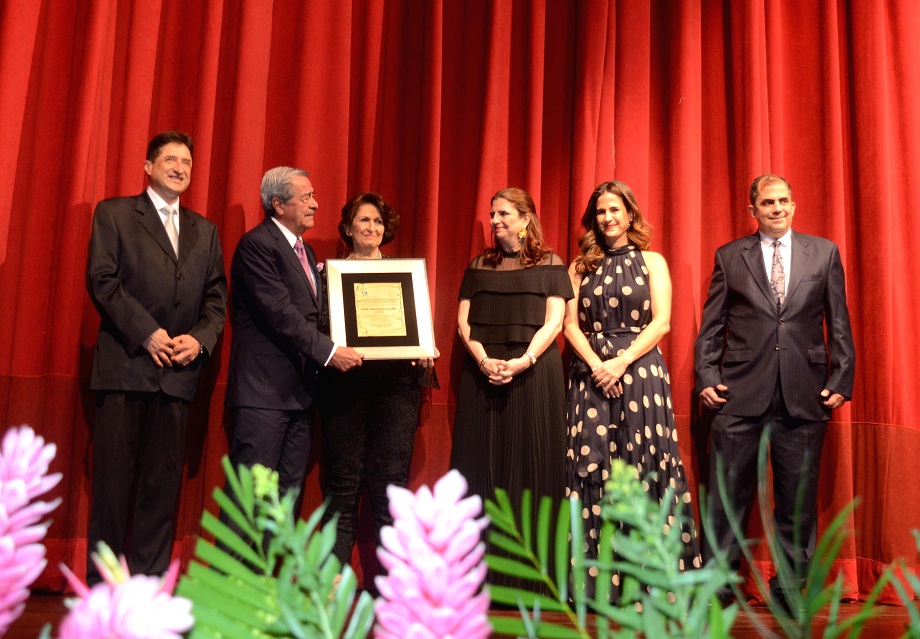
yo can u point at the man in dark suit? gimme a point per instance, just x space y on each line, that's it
762 359
156 275
277 347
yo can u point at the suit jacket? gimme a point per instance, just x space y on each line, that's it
138 285
745 343
277 347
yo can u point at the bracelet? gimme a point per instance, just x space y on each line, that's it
483 361
533 358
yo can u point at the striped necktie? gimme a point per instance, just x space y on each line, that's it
777 276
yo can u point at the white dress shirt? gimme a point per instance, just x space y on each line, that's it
160 204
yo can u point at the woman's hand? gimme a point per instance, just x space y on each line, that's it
608 374
515 367
493 368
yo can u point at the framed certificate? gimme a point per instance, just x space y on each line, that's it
380 308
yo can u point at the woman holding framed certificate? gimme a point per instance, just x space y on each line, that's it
369 414
509 430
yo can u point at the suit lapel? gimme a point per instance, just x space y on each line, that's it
801 252
149 218
188 234
311 257
288 251
753 258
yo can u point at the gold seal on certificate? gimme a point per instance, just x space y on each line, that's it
379 310
380 307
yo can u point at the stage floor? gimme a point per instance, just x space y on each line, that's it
891 622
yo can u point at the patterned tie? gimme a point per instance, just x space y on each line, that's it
302 256
777 277
171 229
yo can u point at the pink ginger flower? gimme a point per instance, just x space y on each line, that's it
24 460
433 554
125 607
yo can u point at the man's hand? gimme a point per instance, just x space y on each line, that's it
186 350
428 362
711 397
345 358
160 346
833 400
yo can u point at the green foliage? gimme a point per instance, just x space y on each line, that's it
805 605
658 600
528 562
270 575
907 597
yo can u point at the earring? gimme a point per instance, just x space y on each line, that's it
522 233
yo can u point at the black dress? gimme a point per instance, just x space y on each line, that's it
614 306
512 436
369 416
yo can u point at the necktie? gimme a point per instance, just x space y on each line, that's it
302 256
777 276
171 229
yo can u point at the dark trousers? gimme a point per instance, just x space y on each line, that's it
795 456
277 439
139 447
369 422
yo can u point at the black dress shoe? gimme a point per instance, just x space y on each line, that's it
784 604
726 598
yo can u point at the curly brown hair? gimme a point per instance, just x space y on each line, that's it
387 212
533 251
592 244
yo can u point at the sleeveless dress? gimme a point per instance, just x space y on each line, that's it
614 306
512 436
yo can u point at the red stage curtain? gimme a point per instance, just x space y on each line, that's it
437 105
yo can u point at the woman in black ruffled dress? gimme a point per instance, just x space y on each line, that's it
509 430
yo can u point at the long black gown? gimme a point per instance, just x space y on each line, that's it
512 436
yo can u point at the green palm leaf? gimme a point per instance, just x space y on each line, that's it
239 592
516 627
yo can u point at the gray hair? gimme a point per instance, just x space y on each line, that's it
276 183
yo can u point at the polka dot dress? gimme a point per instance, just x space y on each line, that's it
614 305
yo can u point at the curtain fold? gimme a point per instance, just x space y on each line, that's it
437 105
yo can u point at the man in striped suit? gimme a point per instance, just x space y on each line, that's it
762 359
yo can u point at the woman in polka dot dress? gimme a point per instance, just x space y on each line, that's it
619 391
